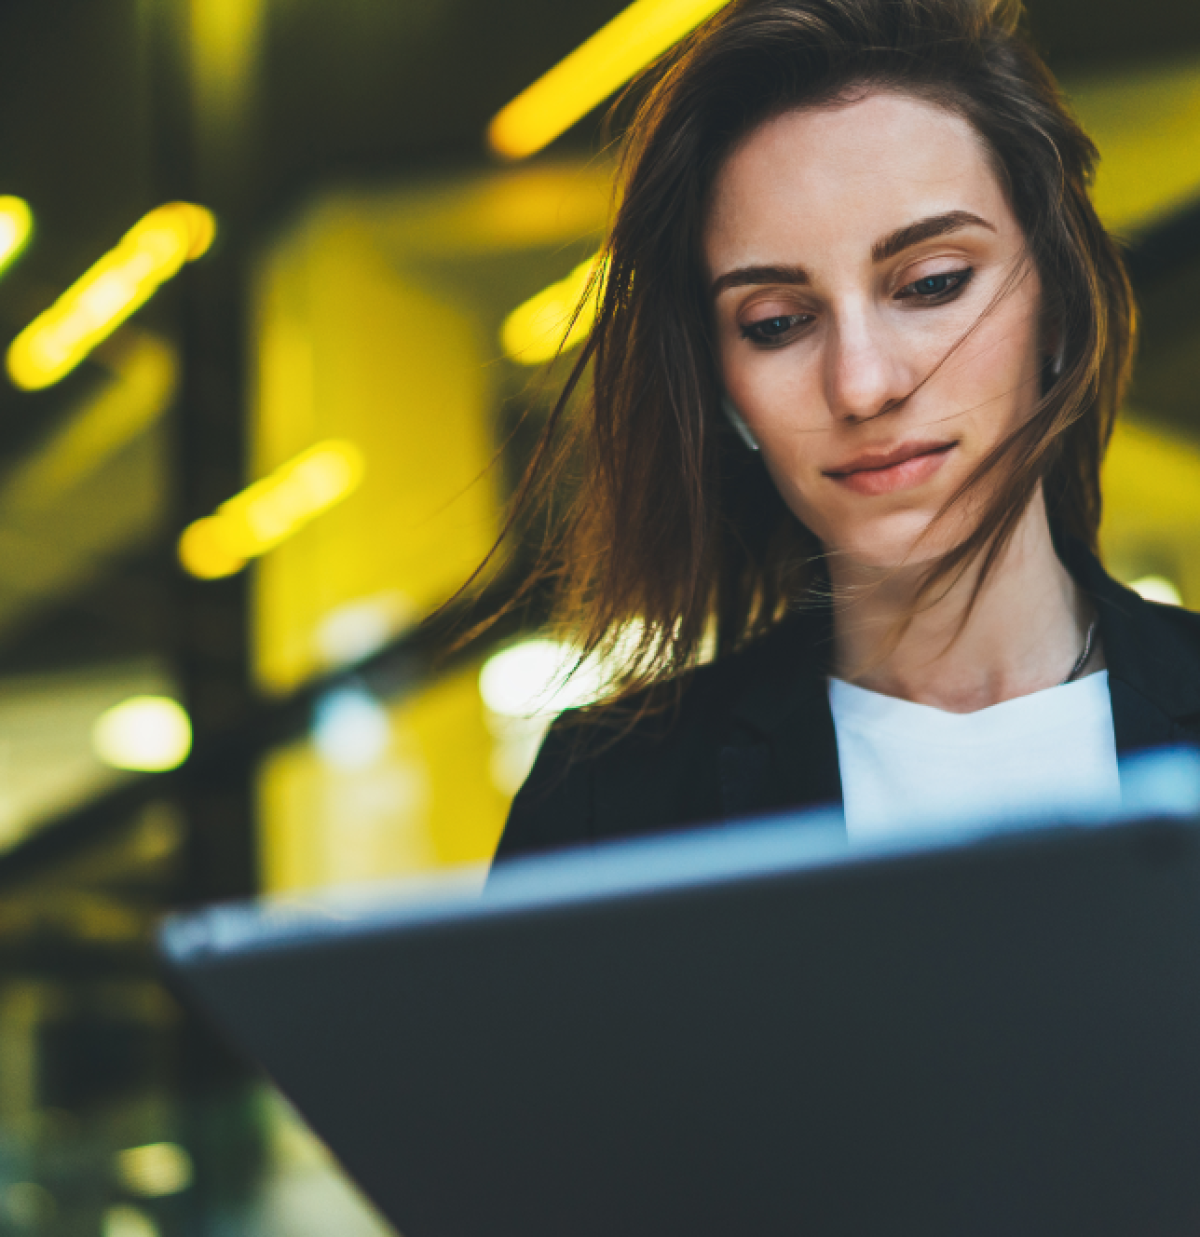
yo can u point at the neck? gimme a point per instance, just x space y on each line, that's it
1023 634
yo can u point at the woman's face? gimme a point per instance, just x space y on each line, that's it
849 250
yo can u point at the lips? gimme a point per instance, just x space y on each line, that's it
882 472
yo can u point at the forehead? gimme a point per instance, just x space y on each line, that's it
831 180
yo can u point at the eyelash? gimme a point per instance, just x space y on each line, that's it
959 280
753 331
953 283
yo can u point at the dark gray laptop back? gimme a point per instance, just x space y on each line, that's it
751 1032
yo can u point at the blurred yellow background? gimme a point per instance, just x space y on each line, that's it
380 318
277 279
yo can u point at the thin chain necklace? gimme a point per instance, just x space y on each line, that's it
1083 657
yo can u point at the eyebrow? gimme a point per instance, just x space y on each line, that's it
746 276
894 243
925 230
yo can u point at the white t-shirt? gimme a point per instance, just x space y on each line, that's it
909 766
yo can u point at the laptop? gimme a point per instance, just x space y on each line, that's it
751 1030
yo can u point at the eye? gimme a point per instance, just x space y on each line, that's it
770 332
935 288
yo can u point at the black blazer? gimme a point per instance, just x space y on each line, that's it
753 733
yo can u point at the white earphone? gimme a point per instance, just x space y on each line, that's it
738 423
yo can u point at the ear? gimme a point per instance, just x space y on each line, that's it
739 423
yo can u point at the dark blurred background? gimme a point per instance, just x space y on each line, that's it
203 698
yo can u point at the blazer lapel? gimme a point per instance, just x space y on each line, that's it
1153 665
1138 723
781 751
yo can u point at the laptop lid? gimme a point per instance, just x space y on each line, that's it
749 1030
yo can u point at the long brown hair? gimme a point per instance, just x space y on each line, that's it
674 530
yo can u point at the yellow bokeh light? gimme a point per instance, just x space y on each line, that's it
205 552
145 733
592 72
1157 588
16 225
271 510
534 331
155 1170
150 253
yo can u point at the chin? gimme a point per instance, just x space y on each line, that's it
900 541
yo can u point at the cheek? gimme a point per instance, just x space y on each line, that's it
791 464
996 370
778 403
779 395
775 392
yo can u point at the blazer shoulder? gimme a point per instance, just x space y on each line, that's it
1157 628
646 762
553 806
1149 647
1170 640
1185 623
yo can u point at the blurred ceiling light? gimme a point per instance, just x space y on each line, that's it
271 510
225 42
592 72
350 728
16 224
145 733
102 298
145 372
155 1170
359 628
29 1205
534 331
530 679
1157 588
125 1221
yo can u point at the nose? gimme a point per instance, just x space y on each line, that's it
865 371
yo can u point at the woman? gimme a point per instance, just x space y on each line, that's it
857 357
